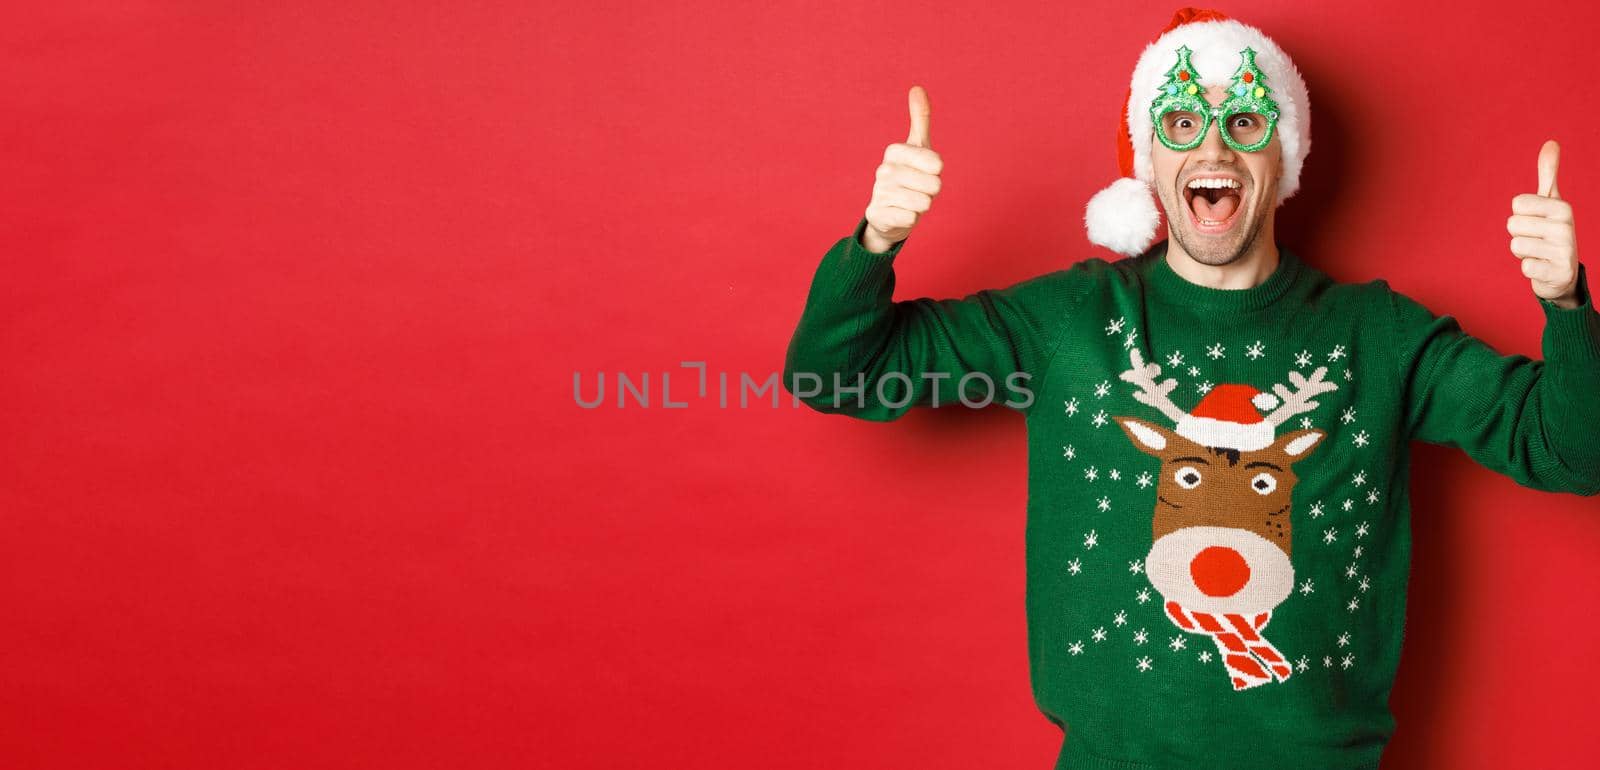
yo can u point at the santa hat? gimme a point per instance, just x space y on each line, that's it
1124 216
1227 418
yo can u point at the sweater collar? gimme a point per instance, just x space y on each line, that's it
1179 290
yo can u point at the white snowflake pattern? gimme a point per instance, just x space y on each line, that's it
1302 359
1364 584
1115 327
1104 503
1102 389
1141 636
1121 619
1177 643
1305 423
1215 351
1348 376
1069 452
1100 418
1194 371
1116 475
1361 529
1175 359
1091 473
1143 663
1127 342
1358 551
1136 566
1091 539
1076 648
1347 505
1337 353
1347 661
1143 595
1359 478
1204 387
1307 587
1361 438
1072 406
1354 604
1348 415
1204 656
1351 571
1254 351
1302 664
1331 535
1144 479
1327 662
1099 634
1316 510
1372 496
1344 639
1074 566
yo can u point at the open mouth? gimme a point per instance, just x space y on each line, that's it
1213 204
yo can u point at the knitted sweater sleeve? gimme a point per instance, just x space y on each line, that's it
857 352
1534 421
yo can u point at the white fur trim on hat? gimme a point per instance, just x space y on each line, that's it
1211 432
1123 217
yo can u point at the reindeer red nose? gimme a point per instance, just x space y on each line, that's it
1219 571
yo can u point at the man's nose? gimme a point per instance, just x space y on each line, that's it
1213 148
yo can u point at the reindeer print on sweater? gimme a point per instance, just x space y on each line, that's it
1222 525
1221 451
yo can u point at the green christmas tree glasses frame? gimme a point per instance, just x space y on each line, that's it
1182 117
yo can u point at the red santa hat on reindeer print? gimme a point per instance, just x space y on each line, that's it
1124 216
1227 417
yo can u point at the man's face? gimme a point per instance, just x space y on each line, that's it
1224 223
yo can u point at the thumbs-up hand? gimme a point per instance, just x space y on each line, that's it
907 181
1543 236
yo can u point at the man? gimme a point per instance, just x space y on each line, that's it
1217 536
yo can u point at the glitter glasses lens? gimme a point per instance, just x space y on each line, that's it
1247 131
1183 129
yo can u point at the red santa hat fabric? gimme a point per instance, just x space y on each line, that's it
1227 417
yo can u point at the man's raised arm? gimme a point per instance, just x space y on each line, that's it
856 351
1537 422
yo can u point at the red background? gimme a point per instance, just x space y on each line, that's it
290 466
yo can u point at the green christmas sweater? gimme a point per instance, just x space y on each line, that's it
1217 525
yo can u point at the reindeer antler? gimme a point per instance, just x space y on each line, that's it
1144 376
1299 400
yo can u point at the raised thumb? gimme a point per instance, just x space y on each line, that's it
921 113
1549 158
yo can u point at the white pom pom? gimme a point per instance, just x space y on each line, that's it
1265 401
1123 217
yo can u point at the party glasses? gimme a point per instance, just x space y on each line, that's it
1182 117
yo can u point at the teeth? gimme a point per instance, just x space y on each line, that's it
1214 184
